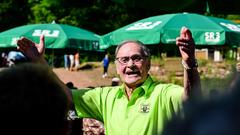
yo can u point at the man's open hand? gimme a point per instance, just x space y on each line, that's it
31 50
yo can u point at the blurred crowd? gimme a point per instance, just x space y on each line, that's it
11 58
71 61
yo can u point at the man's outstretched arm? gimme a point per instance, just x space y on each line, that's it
35 53
192 85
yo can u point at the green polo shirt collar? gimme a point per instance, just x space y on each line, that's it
145 86
145 89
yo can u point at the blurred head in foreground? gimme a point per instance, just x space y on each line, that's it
216 116
32 101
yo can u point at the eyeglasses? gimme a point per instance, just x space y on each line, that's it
135 58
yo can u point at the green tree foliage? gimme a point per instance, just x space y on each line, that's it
41 12
233 17
13 13
99 16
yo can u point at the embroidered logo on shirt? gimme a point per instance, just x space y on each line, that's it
144 108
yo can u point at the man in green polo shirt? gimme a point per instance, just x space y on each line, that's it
140 106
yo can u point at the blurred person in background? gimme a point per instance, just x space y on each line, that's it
4 60
66 62
15 57
76 60
105 63
71 59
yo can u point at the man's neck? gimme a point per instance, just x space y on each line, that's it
129 90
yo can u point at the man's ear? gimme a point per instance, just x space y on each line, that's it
116 67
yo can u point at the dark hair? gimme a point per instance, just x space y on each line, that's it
32 99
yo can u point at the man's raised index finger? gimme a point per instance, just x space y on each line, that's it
183 32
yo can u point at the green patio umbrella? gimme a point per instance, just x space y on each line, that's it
164 29
57 36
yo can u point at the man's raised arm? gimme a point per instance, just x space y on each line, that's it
192 85
35 53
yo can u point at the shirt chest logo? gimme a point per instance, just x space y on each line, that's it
144 108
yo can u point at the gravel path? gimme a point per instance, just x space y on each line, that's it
85 78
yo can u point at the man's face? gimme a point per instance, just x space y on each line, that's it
135 69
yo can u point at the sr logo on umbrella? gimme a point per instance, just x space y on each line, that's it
57 36
164 29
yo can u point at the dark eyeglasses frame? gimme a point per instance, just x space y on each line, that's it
135 58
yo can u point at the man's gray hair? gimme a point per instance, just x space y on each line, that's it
145 51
